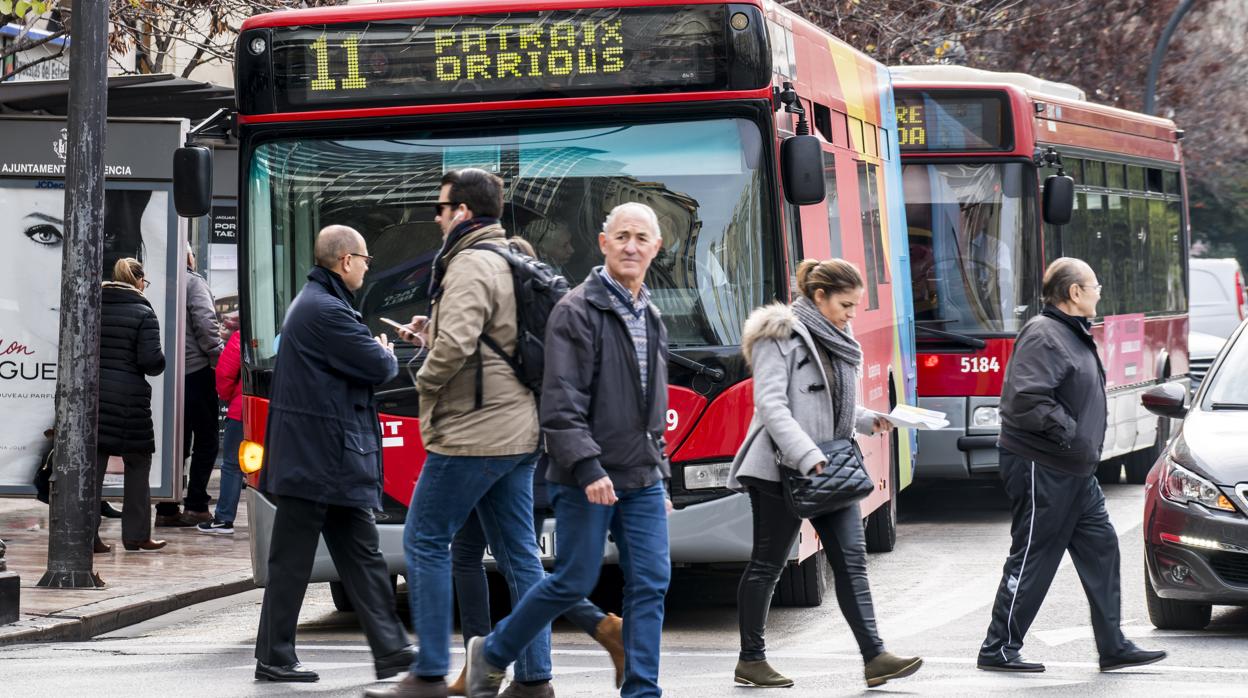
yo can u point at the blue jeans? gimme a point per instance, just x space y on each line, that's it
449 488
472 588
231 474
638 523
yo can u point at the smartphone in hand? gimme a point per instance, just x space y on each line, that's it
397 326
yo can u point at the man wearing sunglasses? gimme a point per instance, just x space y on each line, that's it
480 428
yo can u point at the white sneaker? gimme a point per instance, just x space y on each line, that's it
217 527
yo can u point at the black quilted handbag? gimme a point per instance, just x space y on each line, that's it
843 481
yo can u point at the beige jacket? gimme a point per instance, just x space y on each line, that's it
477 297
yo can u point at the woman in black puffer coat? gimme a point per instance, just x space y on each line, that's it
129 352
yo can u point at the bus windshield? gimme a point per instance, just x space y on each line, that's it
973 246
704 179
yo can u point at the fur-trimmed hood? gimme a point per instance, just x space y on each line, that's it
772 321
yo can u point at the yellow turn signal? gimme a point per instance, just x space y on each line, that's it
250 456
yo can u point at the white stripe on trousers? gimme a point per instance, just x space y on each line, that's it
1031 528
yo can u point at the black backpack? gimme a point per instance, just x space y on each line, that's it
538 288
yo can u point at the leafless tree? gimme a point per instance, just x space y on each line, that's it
197 31
155 29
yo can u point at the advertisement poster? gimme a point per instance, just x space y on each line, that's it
223 257
139 222
30 295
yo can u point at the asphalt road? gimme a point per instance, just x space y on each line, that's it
932 597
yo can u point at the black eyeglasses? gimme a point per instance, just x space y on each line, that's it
437 207
143 283
368 259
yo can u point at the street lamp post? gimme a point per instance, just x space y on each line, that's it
1159 54
74 491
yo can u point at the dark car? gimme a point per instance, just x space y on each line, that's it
1196 497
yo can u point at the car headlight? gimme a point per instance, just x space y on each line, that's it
988 416
1178 484
706 476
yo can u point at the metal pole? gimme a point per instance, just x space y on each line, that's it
1159 54
75 499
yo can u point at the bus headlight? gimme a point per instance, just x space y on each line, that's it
706 476
250 456
988 416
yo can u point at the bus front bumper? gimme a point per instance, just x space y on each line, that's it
714 532
960 450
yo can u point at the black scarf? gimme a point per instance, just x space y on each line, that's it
440 261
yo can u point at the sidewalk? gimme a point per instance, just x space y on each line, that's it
193 568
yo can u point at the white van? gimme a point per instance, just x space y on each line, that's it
1218 302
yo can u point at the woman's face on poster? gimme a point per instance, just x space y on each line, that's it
34 234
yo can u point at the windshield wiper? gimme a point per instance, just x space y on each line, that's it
715 374
962 339
1228 406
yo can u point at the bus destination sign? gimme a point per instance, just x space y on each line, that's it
545 53
931 121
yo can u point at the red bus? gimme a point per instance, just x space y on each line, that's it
977 147
351 115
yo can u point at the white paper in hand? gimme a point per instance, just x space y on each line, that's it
911 417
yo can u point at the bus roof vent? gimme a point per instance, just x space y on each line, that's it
956 73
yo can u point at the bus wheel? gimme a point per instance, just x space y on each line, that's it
881 524
802 583
342 602
1109 472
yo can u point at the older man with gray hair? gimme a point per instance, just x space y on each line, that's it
604 400
1053 417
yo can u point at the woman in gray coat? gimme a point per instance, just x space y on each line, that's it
806 364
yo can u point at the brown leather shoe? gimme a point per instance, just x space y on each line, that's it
409 687
610 634
144 545
101 547
457 686
196 517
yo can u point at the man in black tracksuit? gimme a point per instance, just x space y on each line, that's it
1053 414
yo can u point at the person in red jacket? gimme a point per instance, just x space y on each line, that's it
230 390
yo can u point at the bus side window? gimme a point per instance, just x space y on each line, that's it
793 231
872 240
833 202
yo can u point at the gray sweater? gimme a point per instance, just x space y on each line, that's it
203 334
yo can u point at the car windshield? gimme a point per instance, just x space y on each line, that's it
1228 386
972 246
703 178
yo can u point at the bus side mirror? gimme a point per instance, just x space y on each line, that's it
801 170
192 181
1059 199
